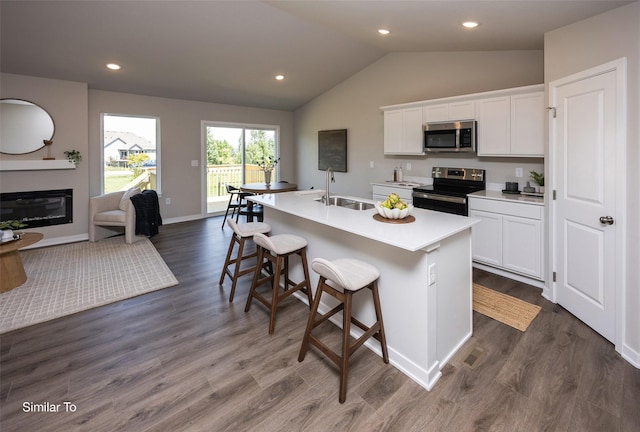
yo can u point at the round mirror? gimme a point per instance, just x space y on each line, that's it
25 126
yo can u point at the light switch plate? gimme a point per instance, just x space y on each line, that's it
194 162
519 172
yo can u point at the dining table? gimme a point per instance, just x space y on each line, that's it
263 188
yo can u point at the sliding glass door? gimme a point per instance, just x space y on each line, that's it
232 152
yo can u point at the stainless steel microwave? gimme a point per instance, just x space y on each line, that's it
455 137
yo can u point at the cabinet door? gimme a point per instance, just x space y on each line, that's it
494 126
413 135
393 133
436 113
403 131
487 237
462 110
521 245
527 124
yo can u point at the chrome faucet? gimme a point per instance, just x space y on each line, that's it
330 179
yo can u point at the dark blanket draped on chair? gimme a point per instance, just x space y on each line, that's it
147 213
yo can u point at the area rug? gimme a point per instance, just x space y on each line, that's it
504 308
62 280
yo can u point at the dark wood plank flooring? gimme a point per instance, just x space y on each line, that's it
185 359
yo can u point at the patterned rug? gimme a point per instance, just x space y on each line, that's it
504 308
62 280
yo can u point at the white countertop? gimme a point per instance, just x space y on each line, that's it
402 185
429 228
499 196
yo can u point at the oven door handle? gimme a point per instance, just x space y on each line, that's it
452 199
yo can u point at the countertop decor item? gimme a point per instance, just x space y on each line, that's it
538 178
394 207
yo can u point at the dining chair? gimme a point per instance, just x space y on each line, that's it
236 202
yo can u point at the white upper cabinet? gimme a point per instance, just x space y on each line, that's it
463 110
511 125
527 124
510 121
494 126
403 131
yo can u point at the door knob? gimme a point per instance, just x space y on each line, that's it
606 220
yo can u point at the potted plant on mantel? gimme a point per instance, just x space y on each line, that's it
538 178
74 156
267 164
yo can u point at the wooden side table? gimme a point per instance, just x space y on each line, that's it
11 267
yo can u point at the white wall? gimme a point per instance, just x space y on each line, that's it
406 77
66 102
586 44
76 114
180 122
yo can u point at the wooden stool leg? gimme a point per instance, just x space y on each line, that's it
311 321
346 330
305 269
236 270
381 336
256 276
228 259
275 294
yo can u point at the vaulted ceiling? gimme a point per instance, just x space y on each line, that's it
229 51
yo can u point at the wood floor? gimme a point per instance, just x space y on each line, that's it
185 359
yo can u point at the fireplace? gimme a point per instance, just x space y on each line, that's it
37 208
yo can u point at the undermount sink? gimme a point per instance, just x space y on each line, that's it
348 203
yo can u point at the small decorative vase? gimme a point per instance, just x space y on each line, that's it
267 177
541 189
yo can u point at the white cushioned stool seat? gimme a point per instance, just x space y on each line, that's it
351 274
280 244
248 229
241 234
277 250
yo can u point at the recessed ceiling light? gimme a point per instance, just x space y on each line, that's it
114 66
280 77
470 24
384 31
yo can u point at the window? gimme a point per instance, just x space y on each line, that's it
232 153
131 152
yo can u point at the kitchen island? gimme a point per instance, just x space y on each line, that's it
425 273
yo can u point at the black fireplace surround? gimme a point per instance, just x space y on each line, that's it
37 208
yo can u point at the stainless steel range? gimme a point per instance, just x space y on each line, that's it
449 190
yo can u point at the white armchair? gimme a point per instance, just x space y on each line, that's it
109 214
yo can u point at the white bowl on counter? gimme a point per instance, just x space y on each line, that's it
394 213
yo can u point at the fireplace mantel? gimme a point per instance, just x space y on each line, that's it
35 165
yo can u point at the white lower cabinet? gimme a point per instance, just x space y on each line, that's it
509 236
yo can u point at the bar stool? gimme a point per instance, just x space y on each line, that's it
351 275
277 250
241 233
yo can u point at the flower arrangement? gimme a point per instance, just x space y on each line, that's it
268 163
74 156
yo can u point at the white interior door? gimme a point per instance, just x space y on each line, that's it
584 148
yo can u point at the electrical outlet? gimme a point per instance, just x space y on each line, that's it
408 166
194 162
167 201
372 164
432 274
519 173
